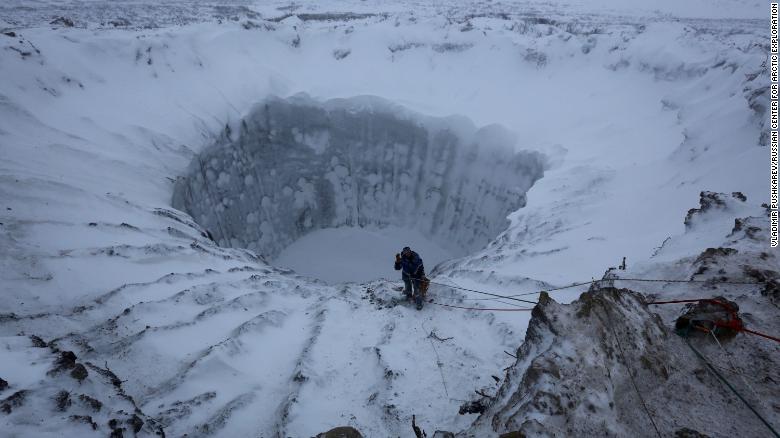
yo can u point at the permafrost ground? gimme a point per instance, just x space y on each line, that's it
627 112
299 165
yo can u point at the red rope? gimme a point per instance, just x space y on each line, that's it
759 334
478 308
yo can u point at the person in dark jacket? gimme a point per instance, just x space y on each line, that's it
412 272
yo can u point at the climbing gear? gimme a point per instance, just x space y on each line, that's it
718 315
734 323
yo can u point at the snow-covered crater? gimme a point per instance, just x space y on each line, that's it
297 165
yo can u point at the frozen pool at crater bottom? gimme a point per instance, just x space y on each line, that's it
352 254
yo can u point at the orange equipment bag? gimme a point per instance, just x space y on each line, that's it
424 283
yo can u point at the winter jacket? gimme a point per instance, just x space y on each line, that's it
411 267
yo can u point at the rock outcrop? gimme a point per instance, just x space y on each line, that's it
70 399
606 365
709 201
341 432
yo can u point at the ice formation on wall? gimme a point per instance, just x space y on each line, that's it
298 165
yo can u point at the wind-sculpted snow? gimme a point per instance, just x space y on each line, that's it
297 165
255 351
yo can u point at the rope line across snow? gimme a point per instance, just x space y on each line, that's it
732 368
684 335
495 296
438 361
507 297
519 309
630 374
583 283
661 280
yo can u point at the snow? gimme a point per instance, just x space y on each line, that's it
15 349
636 108
349 254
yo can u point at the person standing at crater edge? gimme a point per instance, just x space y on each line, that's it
412 272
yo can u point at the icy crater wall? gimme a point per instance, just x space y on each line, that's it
296 165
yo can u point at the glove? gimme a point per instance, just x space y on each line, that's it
398 257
